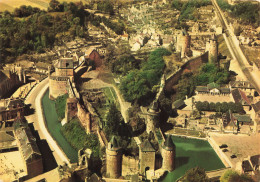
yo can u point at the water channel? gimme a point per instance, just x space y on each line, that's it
191 153
54 125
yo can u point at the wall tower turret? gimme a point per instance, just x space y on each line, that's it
113 159
168 154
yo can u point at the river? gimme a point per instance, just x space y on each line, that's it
54 126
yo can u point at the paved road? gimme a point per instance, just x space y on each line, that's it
236 51
34 98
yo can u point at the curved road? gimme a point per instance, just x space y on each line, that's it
37 118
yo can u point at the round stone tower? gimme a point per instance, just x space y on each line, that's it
152 120
168 154
213 50
113 159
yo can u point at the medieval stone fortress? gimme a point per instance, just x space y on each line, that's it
146 90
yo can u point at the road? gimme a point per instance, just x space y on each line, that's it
236 51
37 118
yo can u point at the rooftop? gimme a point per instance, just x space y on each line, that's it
146 146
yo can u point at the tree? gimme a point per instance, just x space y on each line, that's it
196 174
234 176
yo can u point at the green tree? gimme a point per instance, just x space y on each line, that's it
196 174
234 176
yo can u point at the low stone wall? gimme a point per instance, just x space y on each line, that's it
221 155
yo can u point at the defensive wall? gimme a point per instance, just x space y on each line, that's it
191 65
84 118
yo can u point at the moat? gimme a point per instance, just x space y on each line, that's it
54 126
191 153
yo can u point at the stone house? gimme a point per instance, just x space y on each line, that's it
29 150
93 57
10 110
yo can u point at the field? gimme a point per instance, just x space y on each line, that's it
10 5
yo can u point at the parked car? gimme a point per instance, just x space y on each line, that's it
233 156
223 146
224 150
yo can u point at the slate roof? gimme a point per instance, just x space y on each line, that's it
241 84
27 141
113 144
168 144
178 104
246 166
225 90
256 106
213 85
243 118
146 146
255 160
201 89
229 119
240 97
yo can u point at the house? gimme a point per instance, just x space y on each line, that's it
245 86
256 111
29 149
246 167
42 67
240 97
93 57
213 89
229 122
10 110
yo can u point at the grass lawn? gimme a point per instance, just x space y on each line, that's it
60 105
191 153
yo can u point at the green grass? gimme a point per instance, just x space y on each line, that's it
60 105
191 153
188 132
110 94
78 138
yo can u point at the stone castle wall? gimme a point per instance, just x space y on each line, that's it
114 163
58 86
129 165
192 65
64 72
147 160
84 118
168 160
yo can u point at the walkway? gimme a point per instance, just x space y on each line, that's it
34 98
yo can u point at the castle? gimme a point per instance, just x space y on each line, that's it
148 162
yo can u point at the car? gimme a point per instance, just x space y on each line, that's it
233 156
223 146
224 150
